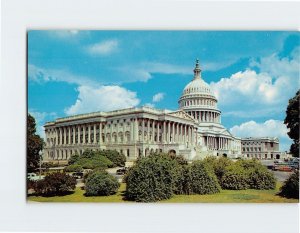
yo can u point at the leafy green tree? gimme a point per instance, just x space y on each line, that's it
117 158
292 122
90 160
34 144
290 188
55 184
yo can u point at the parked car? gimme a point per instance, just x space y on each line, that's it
34 177
121 171
78 175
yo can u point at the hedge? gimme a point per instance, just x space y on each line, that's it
73 168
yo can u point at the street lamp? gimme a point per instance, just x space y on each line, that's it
41 158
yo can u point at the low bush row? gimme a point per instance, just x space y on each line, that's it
159 176
95 159
242 174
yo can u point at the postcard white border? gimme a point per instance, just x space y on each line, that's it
19 16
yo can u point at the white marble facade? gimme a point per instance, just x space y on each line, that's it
194 131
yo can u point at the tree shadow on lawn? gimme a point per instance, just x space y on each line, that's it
54 194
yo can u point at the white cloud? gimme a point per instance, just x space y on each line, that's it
277 67
158 97
263 91
38 74
104 98
269 128
251 86
103 47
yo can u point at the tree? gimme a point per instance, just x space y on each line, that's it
290 188
292 122
55 184
34 145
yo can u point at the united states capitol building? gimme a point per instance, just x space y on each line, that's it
193 131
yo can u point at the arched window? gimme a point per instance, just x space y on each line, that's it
120 137
127 136
114 137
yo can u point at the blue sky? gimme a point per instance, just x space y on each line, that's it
252 73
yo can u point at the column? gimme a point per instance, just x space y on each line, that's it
153 131
173 132
65 135
169 132
78 137
100 133
69 135
131 130
157 138
95 134
136 130
192 132
74 134
84 134
148 130
164 132
60 136
177 131
143 129
184 133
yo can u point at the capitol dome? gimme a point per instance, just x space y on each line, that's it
198 100
198 85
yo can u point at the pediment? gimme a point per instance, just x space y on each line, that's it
181 114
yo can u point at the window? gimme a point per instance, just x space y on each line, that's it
128 152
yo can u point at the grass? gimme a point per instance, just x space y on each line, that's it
225 196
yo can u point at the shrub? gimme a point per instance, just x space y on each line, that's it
101 184
152 178
219 165
30 184
91 159
261 178
179 158
248 164
74 168
203 179
235 177
184 181
290 188
55 184
115 157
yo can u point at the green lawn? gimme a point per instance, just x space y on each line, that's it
225 196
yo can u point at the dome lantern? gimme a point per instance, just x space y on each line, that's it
197 70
